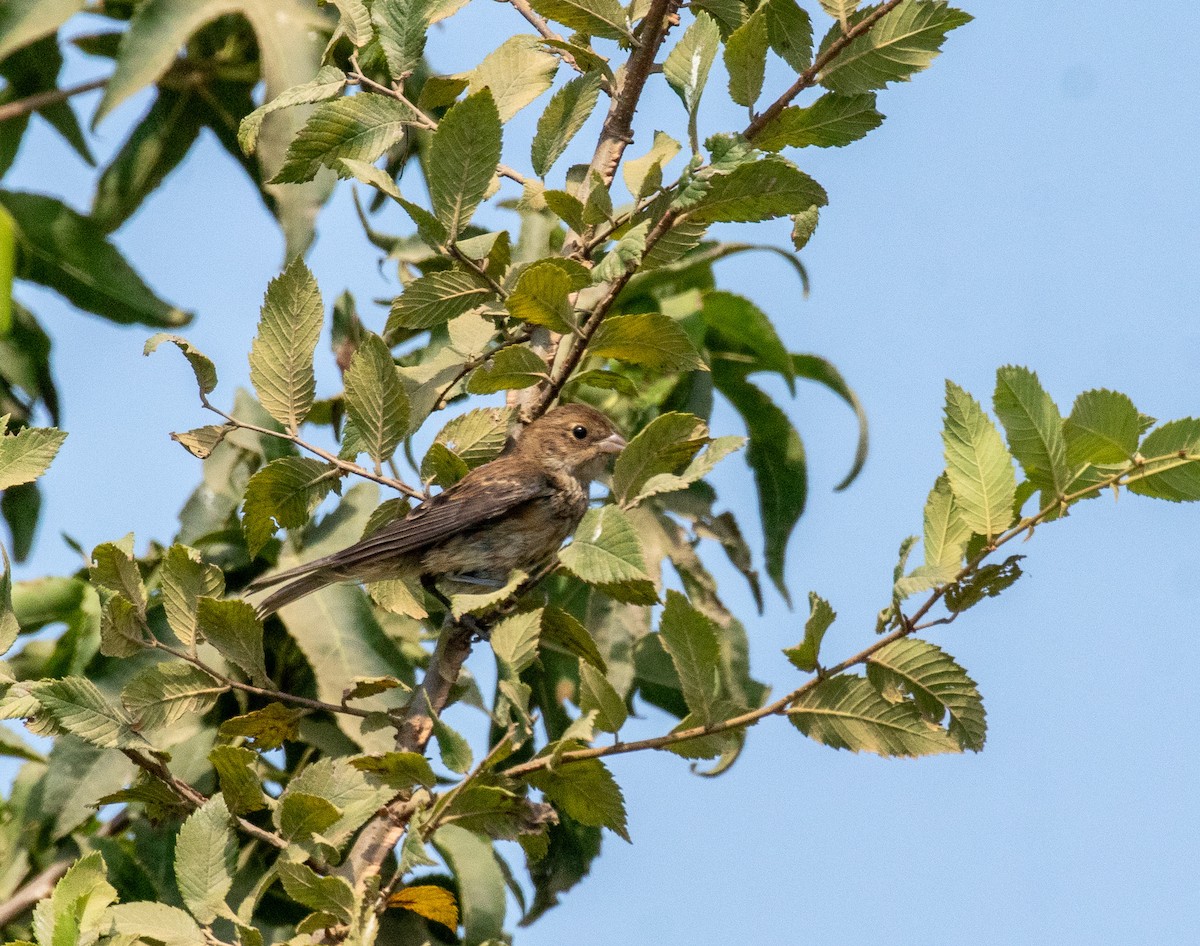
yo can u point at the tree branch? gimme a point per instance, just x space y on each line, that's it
40 100
543 28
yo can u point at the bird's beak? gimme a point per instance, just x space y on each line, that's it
613 443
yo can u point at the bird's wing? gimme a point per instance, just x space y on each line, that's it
470 502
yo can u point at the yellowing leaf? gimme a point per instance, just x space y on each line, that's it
433 903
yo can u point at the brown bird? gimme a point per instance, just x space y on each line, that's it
511 513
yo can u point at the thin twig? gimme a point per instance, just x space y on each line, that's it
357 76
40 100
543 28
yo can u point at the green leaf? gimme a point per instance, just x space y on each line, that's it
686 66
70 254
79 707
587 792
627 252
477 436
27 454
978 465
646 338
606 552
358 128
847 712
804 225
74 911
205 860
397 770
202 366
376 402
113 567
690 639
516 72
804 656
904 41
1104 427
510 368
598 695
716 451
454 750
565 114
8 266
328 82
772 187
985 582
443 466
281 356
643 175
1034 427
329 894
163 694
946 535
736 325
339 783
235 631
24 21
937 684
283 494
567 208
515 640
746 58
832 121
268 727
776 455
122 633
402 26
481 889
840 10
185 578
541 295
156 922
789 31
562 631
1176 479
462 160
603 18
10 627
300 815
666 445
239 785
434 299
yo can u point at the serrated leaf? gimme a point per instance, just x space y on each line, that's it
515 640
477 436
463 155
902 42
202 366
1034 427
239 785
832 121
358 127
1176 479
644 175
804 225
1104 427
27 454
686 66
10 627
79 707
300 815
268 727
122 633
746 58
442 466
508 369
625 254
946 534
938 685
516 72
376 403
205 860
586 792
75 910
402 26
847 712
283 494
166 692
840 10
186 577
789 32
804 656
454 750
157 922
200 442
603 18
562 631
985 582
567 208
606 552
435 299
327 83
330 894
113 567
433 903
342 785
565 114
541 295
761 190
666 445
646 338
597 695
978 464
71 254
233 628
397 770
690 638
281 356
703 464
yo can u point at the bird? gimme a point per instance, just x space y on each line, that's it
511 513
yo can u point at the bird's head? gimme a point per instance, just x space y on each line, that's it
575 438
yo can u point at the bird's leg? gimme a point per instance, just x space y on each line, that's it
478 631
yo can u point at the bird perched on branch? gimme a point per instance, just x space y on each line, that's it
512 513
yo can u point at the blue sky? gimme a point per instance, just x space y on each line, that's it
1032 199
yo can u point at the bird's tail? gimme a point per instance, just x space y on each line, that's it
300 581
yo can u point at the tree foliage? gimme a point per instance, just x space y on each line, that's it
287 764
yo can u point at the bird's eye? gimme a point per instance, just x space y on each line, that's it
579 432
